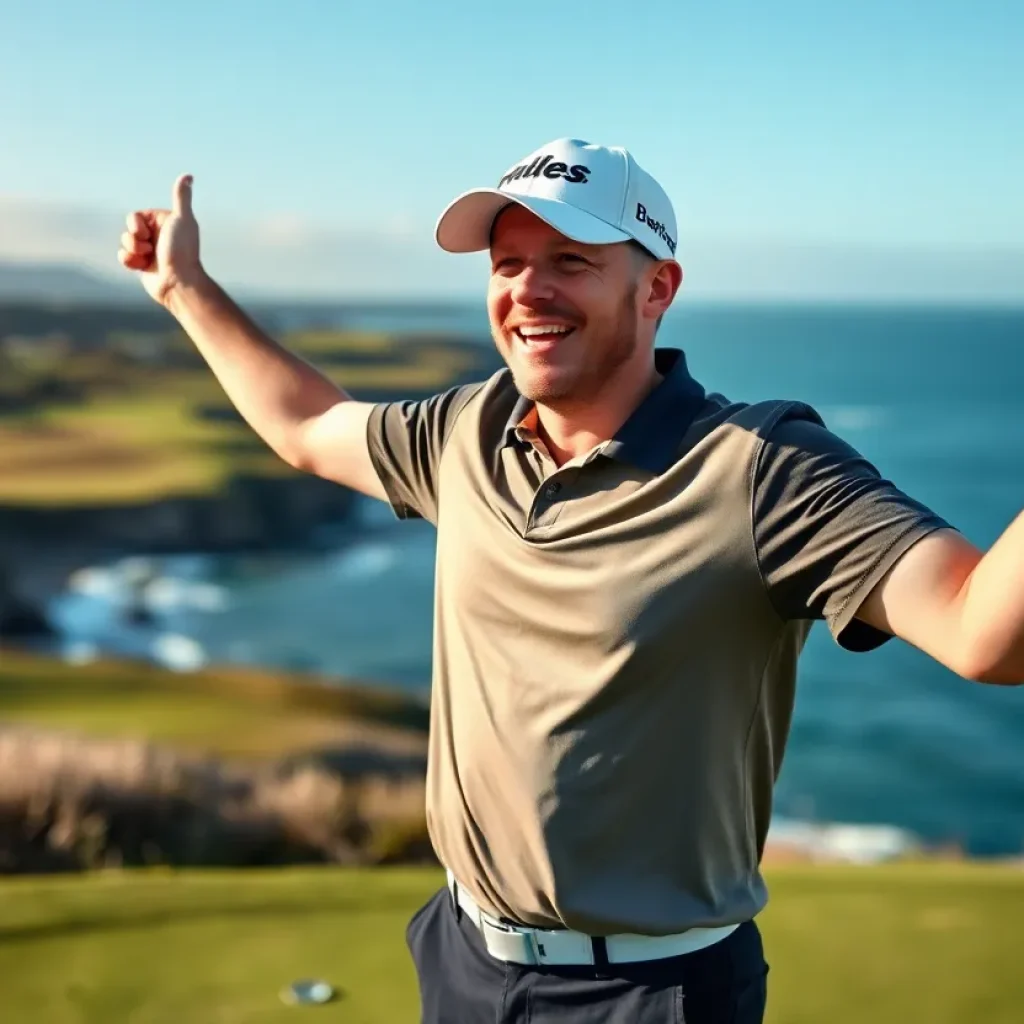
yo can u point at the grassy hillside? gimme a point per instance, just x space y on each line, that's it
120 763
143 418
232 712
936 943
932 942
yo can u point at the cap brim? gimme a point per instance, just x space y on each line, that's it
465 226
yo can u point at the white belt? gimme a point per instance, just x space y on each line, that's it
538 946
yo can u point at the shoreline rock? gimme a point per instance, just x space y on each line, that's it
41 547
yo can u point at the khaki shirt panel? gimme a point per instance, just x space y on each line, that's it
615 664
587 692
828 526
406 441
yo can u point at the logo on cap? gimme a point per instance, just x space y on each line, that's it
547 167
656 226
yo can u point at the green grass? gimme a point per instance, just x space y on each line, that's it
206 947
910 942
327 341
136 436
119 450
937 943
226 711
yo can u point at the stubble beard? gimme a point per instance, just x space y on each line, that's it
614 348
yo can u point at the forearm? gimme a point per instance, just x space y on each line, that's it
993 609
274 390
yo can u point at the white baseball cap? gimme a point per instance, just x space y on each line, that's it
591 194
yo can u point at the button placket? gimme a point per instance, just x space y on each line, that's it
551 498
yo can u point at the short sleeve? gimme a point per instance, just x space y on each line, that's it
406 440
827 526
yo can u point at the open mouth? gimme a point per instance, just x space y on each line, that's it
542 335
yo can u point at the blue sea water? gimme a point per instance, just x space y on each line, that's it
933 396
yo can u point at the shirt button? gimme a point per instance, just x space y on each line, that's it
552 489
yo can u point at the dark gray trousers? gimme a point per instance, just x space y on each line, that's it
461 983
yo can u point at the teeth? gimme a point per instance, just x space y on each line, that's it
534 332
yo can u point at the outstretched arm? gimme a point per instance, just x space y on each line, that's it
837 541
963 607
310 422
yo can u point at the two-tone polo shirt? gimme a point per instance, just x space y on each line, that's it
616 639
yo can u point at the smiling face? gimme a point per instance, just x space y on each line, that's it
569 319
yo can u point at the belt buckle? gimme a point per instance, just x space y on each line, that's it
518 945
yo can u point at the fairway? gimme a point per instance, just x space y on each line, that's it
126 430
935 942
227 711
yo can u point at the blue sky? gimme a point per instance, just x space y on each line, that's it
809 147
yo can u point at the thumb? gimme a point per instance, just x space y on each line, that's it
181 203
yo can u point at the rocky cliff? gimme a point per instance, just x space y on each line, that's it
40 546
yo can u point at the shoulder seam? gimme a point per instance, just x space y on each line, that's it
475 390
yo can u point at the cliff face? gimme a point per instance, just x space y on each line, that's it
40 546
56 357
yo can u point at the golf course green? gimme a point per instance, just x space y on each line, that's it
909 942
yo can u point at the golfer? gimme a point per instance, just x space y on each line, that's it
627 569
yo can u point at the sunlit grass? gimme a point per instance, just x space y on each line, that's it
125 449
228 712
936 943
150 436
328 341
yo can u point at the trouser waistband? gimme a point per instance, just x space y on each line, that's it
540 946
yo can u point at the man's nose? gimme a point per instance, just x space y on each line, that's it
532 286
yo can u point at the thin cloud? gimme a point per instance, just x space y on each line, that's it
285 255
32 231
281 254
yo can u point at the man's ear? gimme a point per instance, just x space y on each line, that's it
664 283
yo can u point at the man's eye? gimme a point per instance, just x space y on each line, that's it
504 265
571 257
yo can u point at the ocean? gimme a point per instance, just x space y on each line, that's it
933 396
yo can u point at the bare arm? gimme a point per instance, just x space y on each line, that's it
306 419
962 607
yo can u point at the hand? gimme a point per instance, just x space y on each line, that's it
164 244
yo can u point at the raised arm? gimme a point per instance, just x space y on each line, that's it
310 422
962 606
837 541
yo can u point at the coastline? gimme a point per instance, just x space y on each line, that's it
40 547
258 768
116 441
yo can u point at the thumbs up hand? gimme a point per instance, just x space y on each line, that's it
163 245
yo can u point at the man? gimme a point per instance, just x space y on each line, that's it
627 569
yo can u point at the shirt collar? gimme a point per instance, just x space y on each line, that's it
650 437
